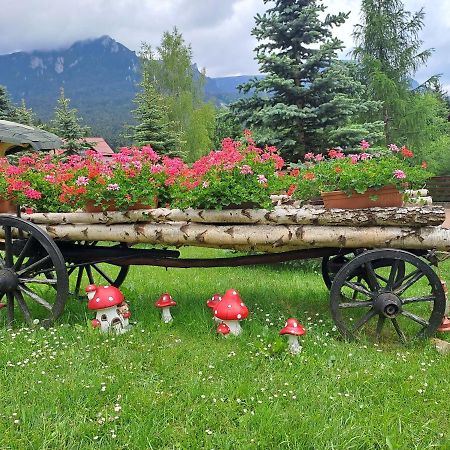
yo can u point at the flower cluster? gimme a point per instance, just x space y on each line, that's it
357 172
238 173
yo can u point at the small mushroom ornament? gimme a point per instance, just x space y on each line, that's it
230 310
165 302
112 313
293 329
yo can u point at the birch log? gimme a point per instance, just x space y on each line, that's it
267 238
310 215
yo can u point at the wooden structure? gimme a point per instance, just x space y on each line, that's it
439 189
376 262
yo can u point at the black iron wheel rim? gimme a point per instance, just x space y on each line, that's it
32 255
374 305
94 272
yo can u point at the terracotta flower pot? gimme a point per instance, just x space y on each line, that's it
7 207
383 197
111 206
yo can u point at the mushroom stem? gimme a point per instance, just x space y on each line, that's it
234 326
166 316
294 346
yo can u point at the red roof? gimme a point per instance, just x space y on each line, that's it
99 145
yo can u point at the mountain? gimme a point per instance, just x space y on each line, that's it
100 76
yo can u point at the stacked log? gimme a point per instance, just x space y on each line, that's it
257 230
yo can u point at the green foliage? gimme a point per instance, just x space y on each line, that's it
226 125
171 70
7 109
307 94
153 126
25 115
67 125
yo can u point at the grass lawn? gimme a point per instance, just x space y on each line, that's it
182 386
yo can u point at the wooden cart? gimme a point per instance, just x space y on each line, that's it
377 263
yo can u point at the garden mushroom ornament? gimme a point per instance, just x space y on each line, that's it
293 329
223 329
165 302
230 310
212 302
112 312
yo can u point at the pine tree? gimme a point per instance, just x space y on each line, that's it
303 96
389 51
25 115
153 126
7 109
67 125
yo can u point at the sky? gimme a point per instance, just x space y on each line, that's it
218 30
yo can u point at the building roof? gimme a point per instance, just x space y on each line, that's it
18 134
99 145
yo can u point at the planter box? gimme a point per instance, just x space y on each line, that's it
110 206
7 207
385 197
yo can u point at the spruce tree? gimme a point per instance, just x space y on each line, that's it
7 109
388 49
67 125
152 124
303 95
25 115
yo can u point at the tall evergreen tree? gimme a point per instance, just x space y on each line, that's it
172 72
303 95
25 115
153 126
388 48
67 125
7 109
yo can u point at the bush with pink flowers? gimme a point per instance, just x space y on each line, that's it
358 171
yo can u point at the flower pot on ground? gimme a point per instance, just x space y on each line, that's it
382 197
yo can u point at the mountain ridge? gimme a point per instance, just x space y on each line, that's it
99 75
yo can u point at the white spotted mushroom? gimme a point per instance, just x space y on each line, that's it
230 310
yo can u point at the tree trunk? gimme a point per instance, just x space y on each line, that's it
266 238
412 216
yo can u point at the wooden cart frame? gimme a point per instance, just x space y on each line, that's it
381 285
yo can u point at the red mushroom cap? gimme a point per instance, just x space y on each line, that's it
293 327
231 307
91 288
223 329
212 302
95 323
164 301
105 297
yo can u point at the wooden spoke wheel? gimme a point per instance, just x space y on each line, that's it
387 293
95 273
33 275
332 264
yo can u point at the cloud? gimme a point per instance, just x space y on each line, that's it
219 30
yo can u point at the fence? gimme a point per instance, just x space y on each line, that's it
439 188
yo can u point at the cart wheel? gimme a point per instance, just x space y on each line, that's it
27 257
100 274
332 264
387 292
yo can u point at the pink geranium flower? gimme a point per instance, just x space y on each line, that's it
262 179
399 174
82 181
113 187
364 144
246 170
